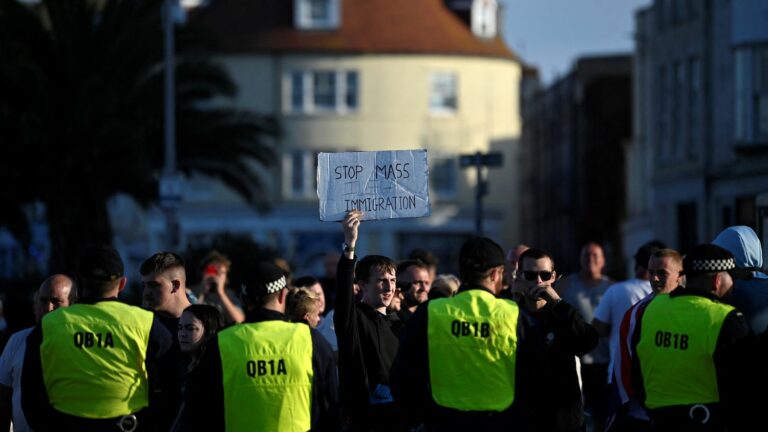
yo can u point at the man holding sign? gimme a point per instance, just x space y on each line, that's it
383 184
367 335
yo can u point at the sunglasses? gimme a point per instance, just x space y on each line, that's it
531 275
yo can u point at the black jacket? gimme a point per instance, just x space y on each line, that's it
550 395
204 403
368 343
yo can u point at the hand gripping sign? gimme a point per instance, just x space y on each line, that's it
383 184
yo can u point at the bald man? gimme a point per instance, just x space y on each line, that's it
55 292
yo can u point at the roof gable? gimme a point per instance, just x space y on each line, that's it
367 26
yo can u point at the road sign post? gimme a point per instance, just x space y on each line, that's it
479 160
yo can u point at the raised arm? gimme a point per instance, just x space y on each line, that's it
345 272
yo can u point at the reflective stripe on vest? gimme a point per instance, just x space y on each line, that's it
267 375
472 341
93 359
678 336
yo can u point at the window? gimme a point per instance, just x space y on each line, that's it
443 177
442 98
760 97
662 114
317 14
746 210
350 93
297 93
694 106
676 128
751 99
484 18
324 90
299 178
321 91
687 226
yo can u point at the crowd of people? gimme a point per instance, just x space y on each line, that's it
392 345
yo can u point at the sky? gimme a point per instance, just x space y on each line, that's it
552 34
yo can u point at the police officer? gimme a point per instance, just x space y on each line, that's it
90 367
456 368
266 374
689 350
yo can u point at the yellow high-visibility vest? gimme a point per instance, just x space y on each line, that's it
93 359
267 375
472 340
678 336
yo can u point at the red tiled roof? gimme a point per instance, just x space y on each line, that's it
367 26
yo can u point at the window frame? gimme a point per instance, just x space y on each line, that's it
307 93
434 87
308 162
302 15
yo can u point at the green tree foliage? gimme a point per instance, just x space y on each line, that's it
81 99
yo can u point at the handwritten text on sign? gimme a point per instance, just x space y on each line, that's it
383 184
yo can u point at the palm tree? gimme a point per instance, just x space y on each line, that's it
81 116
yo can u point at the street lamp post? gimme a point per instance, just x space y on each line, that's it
479 160
170 182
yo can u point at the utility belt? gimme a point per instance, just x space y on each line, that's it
127 423
697 417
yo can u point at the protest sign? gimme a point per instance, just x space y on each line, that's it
383 184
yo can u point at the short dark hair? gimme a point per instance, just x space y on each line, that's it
161 262
477 257
644 253
424 256
535 254
94 288
403 266
365 265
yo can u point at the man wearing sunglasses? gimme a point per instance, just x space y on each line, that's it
555 334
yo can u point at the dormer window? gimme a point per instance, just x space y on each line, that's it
317 14
484 18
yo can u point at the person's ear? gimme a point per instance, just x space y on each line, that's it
497 274
176 285
717 281
121 285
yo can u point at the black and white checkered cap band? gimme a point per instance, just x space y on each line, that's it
273 287
714 265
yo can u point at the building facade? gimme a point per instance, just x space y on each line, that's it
699 159
572 160
343 75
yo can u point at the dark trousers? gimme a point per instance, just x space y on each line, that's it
594 378
378 418
695 418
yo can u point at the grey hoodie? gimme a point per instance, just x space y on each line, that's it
743 243
749 296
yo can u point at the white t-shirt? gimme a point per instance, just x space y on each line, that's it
618 298
11 363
